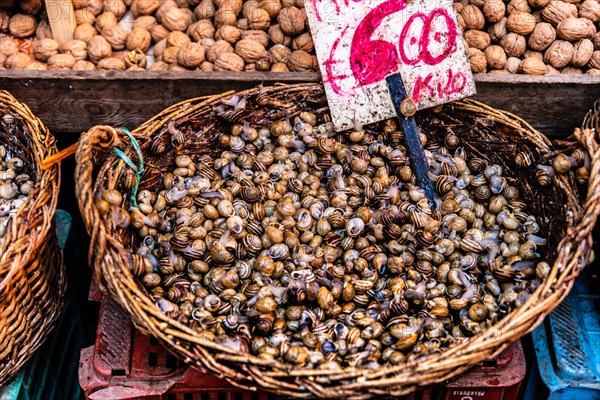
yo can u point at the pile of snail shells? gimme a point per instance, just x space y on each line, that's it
315 248
15 185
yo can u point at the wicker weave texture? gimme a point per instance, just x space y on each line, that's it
32 276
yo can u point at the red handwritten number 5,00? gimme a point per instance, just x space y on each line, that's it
372 60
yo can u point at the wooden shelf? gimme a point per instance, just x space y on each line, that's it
73 101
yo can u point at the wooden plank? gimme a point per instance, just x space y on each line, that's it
62 19
73 101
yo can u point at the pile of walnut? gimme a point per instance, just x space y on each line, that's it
535 37
206 35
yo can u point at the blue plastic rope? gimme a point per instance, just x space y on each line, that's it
138 170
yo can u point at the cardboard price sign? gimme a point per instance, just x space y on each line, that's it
361 42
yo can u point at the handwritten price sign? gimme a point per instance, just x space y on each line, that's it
360 42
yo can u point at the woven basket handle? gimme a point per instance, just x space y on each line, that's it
103 138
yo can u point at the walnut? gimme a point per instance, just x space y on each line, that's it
251 51
521 23
177 39
145 21
98 48
595 60
177 19
190 55
278 37
538 3
303 42
473 17
84 16
8 46
279 53
259 19
556 11
494 10
478 3
76 48
477 39
117 7
207 43
499 72
477 60
224 17
138 38
43 30
31 7
229 62
301 61
248 6
533 66
135 68
61 61
535 54
458 7
498 30
217 49
165 6
104 20
18 61
264 64
21 25
159 66
111 63
135 58
513 44
144 7
582 53
512 65
279 67
571 71
44 49
229 33
206 66
258 36
4 20
249 67
573 29
232 5
273 7
116 36
94 6
590 9
495 57
593 71
542 36
205 10
291 21
202 29
242 24
37 66
559 54
158 32
518 6
169 55
84 32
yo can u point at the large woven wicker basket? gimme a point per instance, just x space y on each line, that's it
492 134
32 276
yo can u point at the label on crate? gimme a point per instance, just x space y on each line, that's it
360 42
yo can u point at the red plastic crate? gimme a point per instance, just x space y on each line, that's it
498 379
124 364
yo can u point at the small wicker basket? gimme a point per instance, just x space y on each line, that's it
32 276
492 134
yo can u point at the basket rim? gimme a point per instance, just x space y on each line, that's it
574 250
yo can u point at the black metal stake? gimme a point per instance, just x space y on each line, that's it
405 110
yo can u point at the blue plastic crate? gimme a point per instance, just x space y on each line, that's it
567 344
51 374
